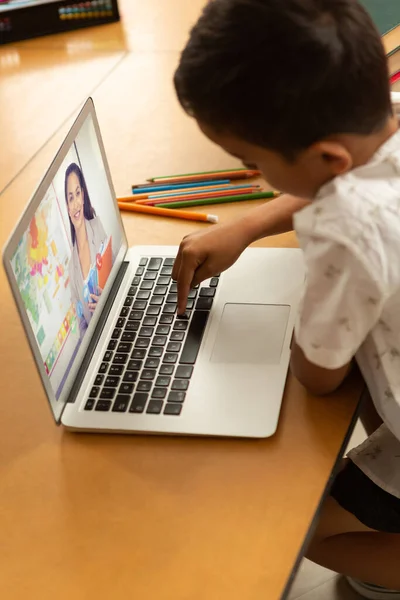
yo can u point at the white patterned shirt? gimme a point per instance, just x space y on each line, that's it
350 237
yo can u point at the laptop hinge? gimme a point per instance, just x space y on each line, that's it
97 333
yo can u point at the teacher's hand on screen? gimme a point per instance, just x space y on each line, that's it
92 305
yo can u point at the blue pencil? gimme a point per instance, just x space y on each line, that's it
176 186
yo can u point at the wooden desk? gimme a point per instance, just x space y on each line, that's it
100 516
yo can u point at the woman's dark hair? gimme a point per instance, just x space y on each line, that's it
283 74
88 211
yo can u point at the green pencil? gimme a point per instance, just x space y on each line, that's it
220 200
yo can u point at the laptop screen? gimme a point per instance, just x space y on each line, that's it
65 255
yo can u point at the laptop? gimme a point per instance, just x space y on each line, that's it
117 358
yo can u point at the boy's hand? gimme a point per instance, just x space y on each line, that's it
201 255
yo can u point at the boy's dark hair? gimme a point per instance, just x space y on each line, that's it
284 74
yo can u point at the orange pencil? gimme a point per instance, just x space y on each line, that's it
161 200
227 174
166 212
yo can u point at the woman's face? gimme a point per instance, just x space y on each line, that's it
75 200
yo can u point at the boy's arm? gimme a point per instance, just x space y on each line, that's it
203 254
317 380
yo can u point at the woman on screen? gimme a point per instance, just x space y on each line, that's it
88 239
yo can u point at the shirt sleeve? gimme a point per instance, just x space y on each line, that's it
342 302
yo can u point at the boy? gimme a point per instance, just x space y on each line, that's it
319 123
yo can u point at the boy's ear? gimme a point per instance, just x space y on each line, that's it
334 156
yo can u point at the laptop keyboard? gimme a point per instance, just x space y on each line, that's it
151 354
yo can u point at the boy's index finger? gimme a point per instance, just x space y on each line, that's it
184 280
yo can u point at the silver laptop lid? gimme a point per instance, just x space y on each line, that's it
64 254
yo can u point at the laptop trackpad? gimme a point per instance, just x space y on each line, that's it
251 334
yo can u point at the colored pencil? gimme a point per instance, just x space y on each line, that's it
236 172
165 212
185 192
244 174
197 196
221 200
157 187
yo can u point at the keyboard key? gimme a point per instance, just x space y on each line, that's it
194 336
108 355
180 325
148 374
156 300
139 305
120 359
189 304
169 262
166 369
173 409
155 351
116 333
154 407
149 321
124 312
107 393
126 388
99 379
170 358
139 271
159 340
146 331
214 282
132 326
176 396
94 392
144 386
142 342
172 298
207 292
132 290
121 403
111 381
154 264
113 343
159 392
166 319
138 403
166 271
163 330
152 363
134 365
125 347
116 370
163 381
184 316
138 353
163 280
147 285
128 301
177 336
153 310
150 276
128 336
143 261
136 315
169 309
180 384
184 372
143 295
204 303
131 376
103 367
173 347
89 404
136 281
103 405
173 288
